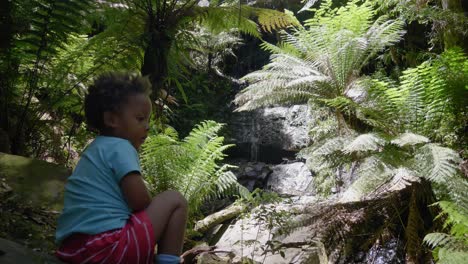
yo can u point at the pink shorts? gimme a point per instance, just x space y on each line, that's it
134 243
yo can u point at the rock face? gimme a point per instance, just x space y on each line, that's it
291 179
272 133
307 230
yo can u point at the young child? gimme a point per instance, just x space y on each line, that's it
108 215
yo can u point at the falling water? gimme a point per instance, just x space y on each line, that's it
254 140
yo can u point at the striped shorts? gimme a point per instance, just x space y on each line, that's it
134 243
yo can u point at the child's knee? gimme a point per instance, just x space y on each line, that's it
177 198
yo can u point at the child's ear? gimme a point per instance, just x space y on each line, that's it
110 120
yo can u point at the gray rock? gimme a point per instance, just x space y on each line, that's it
13 253
250 237
251 174
329 231
265 172
38 182
259 166
290 179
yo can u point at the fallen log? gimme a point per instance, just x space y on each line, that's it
218 218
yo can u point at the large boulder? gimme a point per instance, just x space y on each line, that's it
253 236
13 253
251 174
292 179
308 230
37 182
31 196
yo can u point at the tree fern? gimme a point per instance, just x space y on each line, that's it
413 229
431 161
191 165
321 60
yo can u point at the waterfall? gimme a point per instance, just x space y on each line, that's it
254 140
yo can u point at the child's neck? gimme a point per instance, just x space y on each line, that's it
108 134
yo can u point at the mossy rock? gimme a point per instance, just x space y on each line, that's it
36 182
12 253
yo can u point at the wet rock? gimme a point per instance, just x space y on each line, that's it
390 252
251 174
252 237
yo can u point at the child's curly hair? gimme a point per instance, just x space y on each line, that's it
108 93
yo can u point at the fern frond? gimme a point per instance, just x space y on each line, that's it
446 241
220 18
372 174
271 20
402 177
457 217
51 23
365 142
341 103
410 139
191 165
281 47
437 163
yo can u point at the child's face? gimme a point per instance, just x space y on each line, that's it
132 120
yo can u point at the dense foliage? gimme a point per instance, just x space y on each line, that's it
378 127
51 51
190 166
386 80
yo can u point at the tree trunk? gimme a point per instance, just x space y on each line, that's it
6 73
155 60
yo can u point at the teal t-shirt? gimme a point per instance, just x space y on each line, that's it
94 202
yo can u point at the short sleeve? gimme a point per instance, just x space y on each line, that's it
123 159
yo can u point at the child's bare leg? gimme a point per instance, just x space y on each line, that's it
168 214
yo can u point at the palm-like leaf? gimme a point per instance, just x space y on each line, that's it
445 240
437 163
322 60
365 142
409 139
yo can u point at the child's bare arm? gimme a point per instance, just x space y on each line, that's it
135 191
